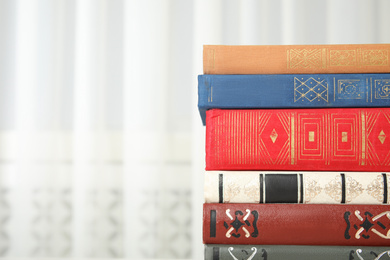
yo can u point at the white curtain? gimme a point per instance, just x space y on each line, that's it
101 144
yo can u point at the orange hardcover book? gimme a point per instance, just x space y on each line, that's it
296 59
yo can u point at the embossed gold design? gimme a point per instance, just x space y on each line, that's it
333 189
375 57
292 143
306 123
305 58
322 58
311 136
312 189
382 137
350 89
210 97
342 57
340 122
310 89
375 154
363 124
382 88
274 135
375 189
352 189
344 137
231 190
266 150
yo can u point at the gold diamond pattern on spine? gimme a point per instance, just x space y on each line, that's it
283 157
274 135
375 157
263 152
382 137
284 153
304 58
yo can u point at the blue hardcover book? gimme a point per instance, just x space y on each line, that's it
292 91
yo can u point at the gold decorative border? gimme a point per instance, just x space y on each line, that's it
377 87
324 57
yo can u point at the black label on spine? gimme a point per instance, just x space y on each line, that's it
301 188
261 189
213 223
384 188
342 188
220 188
275 183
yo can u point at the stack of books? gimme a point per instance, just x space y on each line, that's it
297 151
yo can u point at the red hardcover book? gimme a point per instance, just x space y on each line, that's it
298 139
300 224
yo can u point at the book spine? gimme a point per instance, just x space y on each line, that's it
296 187
296 59
278 252
298 139
292 91
300 224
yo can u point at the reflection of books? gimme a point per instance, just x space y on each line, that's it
296 224
292 59
292 91
298 139
278 252
296 187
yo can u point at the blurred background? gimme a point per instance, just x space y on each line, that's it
101 144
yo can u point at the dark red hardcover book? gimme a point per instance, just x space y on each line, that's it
350 139
299 224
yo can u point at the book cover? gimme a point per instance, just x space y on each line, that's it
296 59
298 139
292 91
296 187
296 224
280 252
